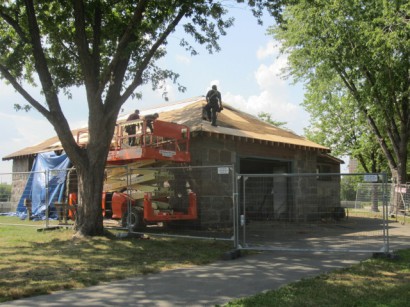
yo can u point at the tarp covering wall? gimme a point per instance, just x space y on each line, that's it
47 176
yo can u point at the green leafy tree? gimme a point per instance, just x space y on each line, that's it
336 123
5 191
362 46
348 188
110 48
266 117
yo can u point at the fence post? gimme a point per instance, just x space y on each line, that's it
47 179
242 222
385 215
235 208
129 205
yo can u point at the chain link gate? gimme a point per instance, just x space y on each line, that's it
311 212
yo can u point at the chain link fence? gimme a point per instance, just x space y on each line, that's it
140 197
397 197
318 212
7 201
36 196
15 197
311 212
173 201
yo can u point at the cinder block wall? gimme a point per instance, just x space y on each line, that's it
309 200
21 167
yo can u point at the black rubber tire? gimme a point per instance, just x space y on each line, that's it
137 222
339 213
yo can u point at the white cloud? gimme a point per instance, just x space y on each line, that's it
21 130
268 77
278 104
276 97
270 49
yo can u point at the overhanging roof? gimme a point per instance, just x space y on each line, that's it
231 123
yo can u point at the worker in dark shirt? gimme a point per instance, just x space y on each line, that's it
150 118
214 104
132 129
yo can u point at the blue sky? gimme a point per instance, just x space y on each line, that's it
245 70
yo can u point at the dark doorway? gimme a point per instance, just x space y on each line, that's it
263 166
265 198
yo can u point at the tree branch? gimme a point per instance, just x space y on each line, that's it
390 159
350 85
55 114
40 61
14 24
138 76
392 127
6 74
124 42
86 60
97 40
362 161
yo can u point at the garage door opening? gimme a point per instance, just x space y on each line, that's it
269 199
263 166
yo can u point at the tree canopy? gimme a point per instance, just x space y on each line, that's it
337 123
5 191
110 48
354 57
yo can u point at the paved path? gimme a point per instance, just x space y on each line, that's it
208 285
217 283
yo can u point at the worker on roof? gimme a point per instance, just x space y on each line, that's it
132 128
214 104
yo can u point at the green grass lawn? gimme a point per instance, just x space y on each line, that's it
34 263
374 282
39 262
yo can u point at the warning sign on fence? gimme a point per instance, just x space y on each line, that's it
400 190
371 178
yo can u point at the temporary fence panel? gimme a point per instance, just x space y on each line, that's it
180 201
116 202
311 212
43 186
29 200
61 185
397 197
167 200
37 195
10 191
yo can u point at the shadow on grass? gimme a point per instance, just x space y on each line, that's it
39 263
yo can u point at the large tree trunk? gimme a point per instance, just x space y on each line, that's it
399 176
90 172
89 218
375 198
402 159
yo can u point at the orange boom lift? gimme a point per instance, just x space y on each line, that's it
139 190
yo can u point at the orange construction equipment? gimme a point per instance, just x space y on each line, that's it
169 215
144 197
168 142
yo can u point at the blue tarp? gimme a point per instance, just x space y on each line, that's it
48 173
